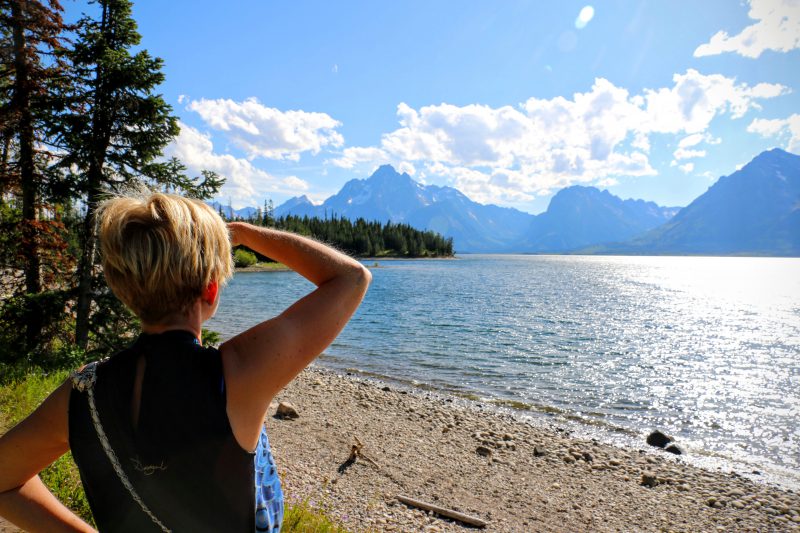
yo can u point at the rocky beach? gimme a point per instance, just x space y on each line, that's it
490 464
351 446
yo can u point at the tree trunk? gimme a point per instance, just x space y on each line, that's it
87 260
28 178
94 178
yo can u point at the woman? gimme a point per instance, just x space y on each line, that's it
168 435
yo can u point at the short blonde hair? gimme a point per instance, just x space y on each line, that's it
160 252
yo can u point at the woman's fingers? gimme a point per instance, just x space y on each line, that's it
234 237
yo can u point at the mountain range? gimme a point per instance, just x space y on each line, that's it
754 211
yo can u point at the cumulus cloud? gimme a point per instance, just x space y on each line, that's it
501 185
509 153
787 127
268 132
244 182
688 167
695 99
777 28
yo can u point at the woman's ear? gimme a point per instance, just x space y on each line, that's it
210 293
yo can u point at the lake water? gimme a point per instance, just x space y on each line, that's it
706 349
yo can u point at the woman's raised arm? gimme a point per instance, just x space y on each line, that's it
262 360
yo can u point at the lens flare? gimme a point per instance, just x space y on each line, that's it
586 14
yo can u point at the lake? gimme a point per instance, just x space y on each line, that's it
706 349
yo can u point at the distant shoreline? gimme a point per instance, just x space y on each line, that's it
280 267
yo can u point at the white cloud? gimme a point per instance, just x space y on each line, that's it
683 153
777 28
245 184
686 147
695 99
406 168
550 143
268 132
692 140
500 186
360 154
607 182
779 127
688 167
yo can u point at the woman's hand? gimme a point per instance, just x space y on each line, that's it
235 239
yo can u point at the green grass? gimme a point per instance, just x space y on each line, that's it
20 397
302 517
268 266
17 400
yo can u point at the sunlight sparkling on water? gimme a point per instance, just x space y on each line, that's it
706 349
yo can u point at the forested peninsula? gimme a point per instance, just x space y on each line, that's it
358 238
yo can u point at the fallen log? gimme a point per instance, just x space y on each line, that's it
449 513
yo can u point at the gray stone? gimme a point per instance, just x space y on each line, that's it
538 451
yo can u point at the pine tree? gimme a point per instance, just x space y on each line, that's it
30 41
118 135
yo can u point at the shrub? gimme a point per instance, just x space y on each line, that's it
243 258
210 338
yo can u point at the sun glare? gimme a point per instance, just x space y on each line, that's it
586 14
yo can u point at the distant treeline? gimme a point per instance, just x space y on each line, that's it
360 238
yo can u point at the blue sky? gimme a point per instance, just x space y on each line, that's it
507 101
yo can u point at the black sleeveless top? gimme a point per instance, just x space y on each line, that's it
182 459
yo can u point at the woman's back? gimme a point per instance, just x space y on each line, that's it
180 454
179 418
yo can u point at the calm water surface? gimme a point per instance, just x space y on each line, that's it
707 349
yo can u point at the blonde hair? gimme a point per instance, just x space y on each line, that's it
160 252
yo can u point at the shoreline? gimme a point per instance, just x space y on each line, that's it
279 267
586 428
517 475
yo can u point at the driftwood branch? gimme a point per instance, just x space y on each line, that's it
449 513
356 452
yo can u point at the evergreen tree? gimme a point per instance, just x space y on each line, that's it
30 40
119 134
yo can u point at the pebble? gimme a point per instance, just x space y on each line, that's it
286 410
649 479
483 451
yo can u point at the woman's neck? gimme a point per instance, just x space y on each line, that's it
191 321
154 329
